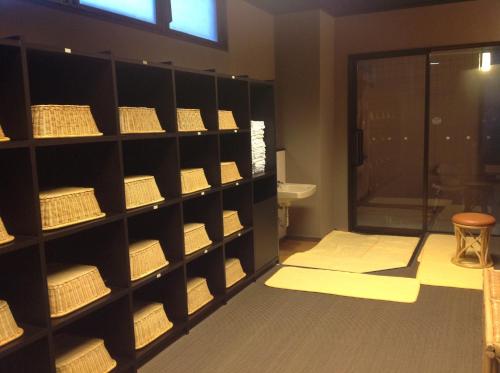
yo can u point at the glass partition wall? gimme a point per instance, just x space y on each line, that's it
390 139
425 139
464 135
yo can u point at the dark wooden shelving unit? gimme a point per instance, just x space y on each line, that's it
37 75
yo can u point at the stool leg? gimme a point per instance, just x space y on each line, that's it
458 238
461 243
485 246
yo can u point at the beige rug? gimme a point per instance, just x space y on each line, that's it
359 253
356 285
436 268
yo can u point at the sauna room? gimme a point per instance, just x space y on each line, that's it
251 186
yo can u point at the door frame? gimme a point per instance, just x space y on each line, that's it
352 102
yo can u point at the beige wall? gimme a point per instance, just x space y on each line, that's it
298 102
460 23
327 115
305 87
250 30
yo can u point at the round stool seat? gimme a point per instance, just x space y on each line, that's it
474 219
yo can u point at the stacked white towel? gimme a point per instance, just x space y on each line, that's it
258 147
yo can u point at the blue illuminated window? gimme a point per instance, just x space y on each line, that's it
195 17
143 10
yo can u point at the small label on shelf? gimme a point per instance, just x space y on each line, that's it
67 50
158 275
199 133
155 207
144 62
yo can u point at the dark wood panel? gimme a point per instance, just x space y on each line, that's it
265 232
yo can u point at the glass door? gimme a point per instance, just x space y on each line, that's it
464 135
387 147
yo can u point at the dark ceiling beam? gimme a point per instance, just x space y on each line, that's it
341 8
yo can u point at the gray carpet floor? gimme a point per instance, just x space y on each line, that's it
271 330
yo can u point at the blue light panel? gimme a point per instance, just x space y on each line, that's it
143 10
195 17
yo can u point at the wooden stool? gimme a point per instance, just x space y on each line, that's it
472 231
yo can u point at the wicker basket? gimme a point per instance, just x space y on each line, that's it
193 180
231 222
8 327
190 120
5 237
75 354
146 257
51 121
226 120
139 120
72 287
195 237
198 294
150 322
229 172
141 191
234 271
2 135
62 207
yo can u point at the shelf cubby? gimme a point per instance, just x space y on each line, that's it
233 95
170 290
239 198
103 247
13 115
31 358
72 79
164 225
93 165
262 109
156 157
241 248
62 322
202 152
112 323
18 204
236 147
147 86
211 267
205 210
198 91
23 286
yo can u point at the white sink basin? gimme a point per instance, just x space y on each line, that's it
289 192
